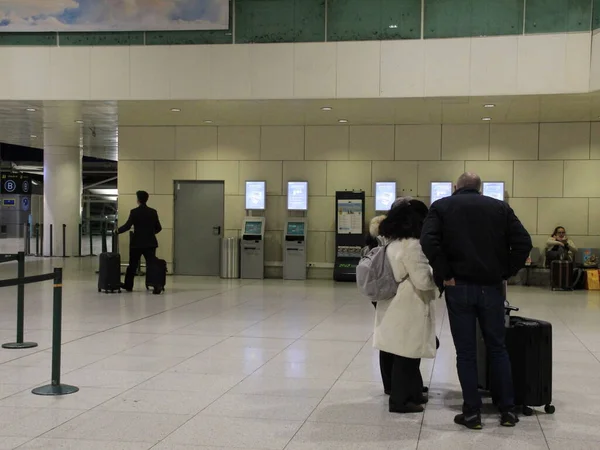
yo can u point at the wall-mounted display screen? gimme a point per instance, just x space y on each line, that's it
8 202
440 189
295 229
494 189
297 197
385 195
255 194
253 228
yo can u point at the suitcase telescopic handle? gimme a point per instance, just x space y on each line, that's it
512 308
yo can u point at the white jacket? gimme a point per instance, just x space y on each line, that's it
405 325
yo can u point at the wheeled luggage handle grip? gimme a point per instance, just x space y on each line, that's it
512 308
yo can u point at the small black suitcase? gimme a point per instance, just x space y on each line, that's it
561 275
156 275
529 345
109 273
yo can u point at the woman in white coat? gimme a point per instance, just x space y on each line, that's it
405 325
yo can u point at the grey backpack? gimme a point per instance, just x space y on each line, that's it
375 277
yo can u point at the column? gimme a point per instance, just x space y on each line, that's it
62 187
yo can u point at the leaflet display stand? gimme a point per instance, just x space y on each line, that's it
349 237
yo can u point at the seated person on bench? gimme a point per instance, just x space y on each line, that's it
559 244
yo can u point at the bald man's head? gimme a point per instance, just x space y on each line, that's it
469 180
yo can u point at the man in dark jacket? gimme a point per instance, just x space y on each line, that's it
146 226
474 243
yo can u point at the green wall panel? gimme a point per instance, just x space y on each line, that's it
27 38
262 21
558 16
596 14
361 20
465 18
188 37
97 39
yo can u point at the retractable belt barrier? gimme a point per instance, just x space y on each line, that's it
55 387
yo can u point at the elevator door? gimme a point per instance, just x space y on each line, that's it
198 227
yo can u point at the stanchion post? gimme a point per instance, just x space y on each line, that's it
64 240
51 240
41 239
56 388
79 241
37 239
20 309
91 239
26 238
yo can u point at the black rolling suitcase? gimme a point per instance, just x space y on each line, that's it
529 345
109 274
561 275
156 275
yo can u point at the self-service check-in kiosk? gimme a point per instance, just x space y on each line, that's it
294 234
253 248
294 249
252 258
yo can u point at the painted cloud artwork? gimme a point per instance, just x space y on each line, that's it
113 15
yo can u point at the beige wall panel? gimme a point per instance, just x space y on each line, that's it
565 140
348 175
282 143
227 171
372 142
196 143
239 143
514 141
538 179
327 143
419 142
465 142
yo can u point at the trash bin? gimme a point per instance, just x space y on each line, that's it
230 257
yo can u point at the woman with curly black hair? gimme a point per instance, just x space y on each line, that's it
405 325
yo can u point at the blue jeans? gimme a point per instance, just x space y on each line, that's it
467 303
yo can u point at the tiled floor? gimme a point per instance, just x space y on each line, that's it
260 365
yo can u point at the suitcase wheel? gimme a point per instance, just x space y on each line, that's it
550 409
99 290
157 290
119 291
527 411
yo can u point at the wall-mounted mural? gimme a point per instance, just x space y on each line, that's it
113 15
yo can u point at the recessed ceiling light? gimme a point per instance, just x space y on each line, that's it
393 26
489 105
33 136
208 121
343 121
326 108
175 110
31 109
487 119
79 121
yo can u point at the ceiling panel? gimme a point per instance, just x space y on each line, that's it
98 134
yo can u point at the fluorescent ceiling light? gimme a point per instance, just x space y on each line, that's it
175 110
99 191
326 108
79 121
489 105
33 136
208 121
487 119
393 26
31 109
343 121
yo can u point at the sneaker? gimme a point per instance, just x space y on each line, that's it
509 419
471 420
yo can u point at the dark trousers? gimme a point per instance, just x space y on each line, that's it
468 303
135 255
406 382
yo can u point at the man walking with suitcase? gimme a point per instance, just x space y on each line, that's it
474 243
146 226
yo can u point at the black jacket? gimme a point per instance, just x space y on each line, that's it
475 239
146 225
